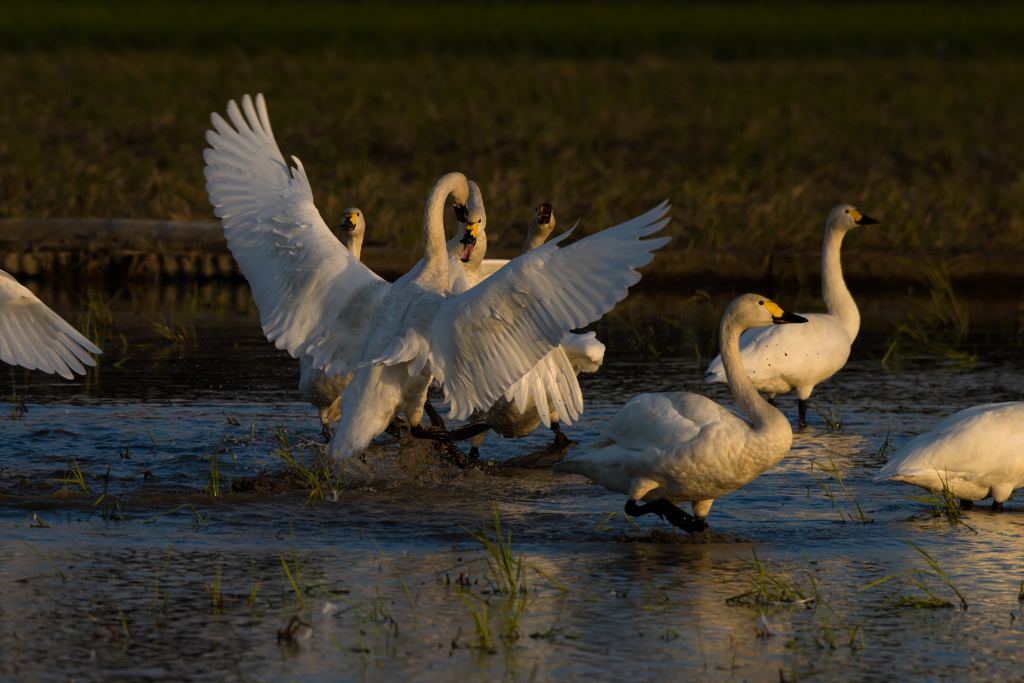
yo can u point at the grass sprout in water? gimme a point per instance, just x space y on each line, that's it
856 514
507 584
944 504
770 589
916 578
834 422
317 474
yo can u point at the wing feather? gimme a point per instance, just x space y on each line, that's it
301 276
34 337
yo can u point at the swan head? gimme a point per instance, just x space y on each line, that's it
353 222
846 217
541 223
475 221
754 310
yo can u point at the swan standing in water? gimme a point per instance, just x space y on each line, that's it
780 359
513 419
975 454
34 337
315 385
671 447
315 297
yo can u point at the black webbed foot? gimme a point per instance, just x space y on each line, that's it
668 512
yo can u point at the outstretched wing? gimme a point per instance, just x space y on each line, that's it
486 339
34 337
301 276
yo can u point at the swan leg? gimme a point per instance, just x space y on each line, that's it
802 408
326 429
771 401
474 445
966 504
437 432
668 512
997 506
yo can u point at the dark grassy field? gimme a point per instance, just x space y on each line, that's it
753 121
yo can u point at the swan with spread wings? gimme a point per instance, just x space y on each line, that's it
315 297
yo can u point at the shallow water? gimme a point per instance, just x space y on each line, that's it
91 594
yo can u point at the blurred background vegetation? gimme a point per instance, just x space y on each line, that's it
752 119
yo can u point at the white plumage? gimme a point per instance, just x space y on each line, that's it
34 337
780 359
670 447
975 454
515 415
315 297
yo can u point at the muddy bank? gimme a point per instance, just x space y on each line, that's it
128 250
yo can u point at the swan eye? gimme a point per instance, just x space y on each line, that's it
760 303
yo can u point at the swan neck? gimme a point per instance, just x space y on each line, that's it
756 408
533 240
353 242
435 250
837 297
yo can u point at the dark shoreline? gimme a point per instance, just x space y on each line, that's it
129 250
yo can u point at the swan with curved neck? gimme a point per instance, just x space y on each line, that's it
667 448
781 359
316 298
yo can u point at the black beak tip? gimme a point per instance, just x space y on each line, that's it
461 213
788 317
868 220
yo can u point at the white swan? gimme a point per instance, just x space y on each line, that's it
34 337
315 297
672 447
316 386
780 359
512 419
975 454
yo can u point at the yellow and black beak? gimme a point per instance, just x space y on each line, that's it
349 223
469 239
781 317
861 219
543 214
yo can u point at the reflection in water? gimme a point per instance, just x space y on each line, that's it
378 570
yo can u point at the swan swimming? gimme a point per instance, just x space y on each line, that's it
34 337
780 359
975 454
315 297
315 385
667 448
